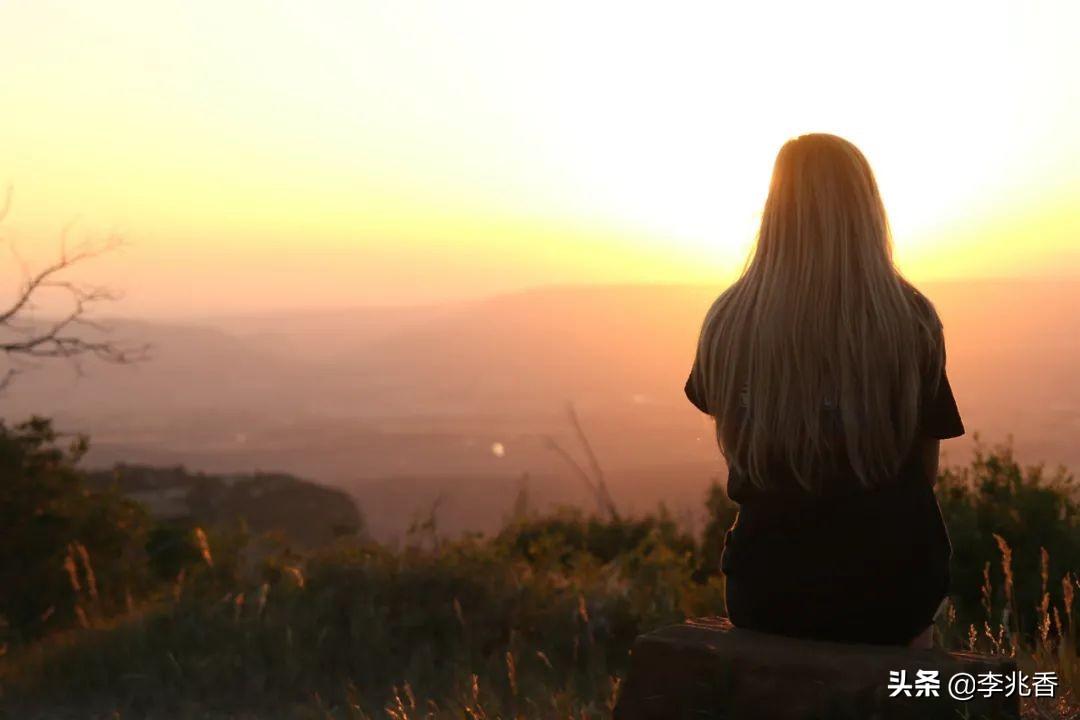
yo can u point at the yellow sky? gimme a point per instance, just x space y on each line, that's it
299 154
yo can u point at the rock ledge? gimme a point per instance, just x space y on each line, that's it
705 668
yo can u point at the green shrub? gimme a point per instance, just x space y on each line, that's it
67 555
1032 511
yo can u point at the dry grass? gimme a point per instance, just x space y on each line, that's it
1052 649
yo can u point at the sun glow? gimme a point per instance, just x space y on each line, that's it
392 152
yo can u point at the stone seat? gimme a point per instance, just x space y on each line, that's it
706 668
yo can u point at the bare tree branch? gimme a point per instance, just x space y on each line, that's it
8 377
7 203
67 336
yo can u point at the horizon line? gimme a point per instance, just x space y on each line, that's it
466 300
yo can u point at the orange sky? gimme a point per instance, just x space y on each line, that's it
261 155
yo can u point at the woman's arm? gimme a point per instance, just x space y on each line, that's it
930 449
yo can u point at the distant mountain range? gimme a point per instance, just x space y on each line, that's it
370 398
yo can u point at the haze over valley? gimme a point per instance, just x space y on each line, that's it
459 404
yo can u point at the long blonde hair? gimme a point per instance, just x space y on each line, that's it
820 320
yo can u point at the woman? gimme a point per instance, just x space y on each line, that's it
825 373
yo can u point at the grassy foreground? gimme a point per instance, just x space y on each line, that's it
535 622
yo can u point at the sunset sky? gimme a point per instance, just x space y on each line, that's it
268 155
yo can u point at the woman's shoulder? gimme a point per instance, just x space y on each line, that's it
923 306
932 332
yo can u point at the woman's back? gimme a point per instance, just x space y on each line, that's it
825 372
848 562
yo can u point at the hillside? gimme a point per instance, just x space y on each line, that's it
302 512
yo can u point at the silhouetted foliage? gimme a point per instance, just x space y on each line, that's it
1031 510
172 548
569 532
534 622
65 553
